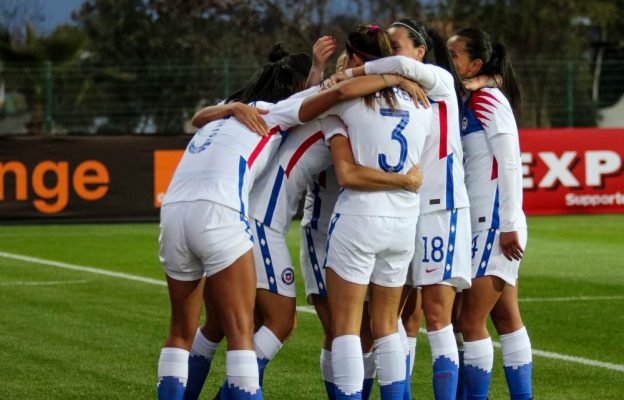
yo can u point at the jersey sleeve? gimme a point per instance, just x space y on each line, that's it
507 154
405 66
306 92
285 113
332 126
494 112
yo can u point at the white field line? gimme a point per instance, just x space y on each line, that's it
93 270
576 298
305 309
41 283
540 353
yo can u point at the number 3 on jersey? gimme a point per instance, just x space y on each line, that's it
398 136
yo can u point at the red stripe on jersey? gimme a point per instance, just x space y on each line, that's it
442 114
302 149
478 101
256 152
494 168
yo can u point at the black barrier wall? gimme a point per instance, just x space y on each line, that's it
85 178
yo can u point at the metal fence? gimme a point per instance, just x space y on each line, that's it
161 99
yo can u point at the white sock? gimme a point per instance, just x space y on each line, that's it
242 370
403 336
348 364
411 345
443 344
479 353
327 372
370 365
266 343
390 359
516 348
203 347
173 362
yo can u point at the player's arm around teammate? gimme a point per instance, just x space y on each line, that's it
229 269
494 181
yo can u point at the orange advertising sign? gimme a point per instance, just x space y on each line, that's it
165 163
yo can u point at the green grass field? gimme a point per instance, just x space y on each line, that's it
78 334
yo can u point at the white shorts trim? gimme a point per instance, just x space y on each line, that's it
274 267
201 237
312 258
488 258
442 253
364 249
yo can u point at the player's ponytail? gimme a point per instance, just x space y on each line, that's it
277 80
277 52
435 49
496 61
500 64
369 42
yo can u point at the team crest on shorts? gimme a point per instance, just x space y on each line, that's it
288 276
464 123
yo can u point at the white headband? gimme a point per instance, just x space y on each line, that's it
422 39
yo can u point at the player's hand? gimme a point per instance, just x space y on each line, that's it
414 179
510 245
251 117
334 80
482 81
322 50
416 91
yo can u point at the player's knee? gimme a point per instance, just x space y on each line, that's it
506 323
282 326
381 327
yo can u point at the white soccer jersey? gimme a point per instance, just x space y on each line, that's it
320 200
275 196
492 162
224 157
390 140
443 186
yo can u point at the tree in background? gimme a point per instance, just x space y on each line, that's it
27 65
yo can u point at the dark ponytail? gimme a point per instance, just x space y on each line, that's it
434 44
370 43
496 61
283 76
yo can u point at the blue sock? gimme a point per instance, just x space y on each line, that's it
478 360
517 361
519 382
223 393
461 384
201 355
445 363
445 373
172 373
330 389
407 393
170 388
391 367
199 367
236 393
367 388
477 382
262 363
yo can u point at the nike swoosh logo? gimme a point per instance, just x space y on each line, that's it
427 270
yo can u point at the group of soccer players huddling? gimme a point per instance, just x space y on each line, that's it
412 180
